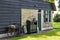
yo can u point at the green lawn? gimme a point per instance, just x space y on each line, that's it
56 24
48 35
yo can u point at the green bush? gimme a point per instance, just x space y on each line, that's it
57 18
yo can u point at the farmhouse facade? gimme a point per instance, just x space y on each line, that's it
33 15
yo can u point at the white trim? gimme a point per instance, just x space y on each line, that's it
52 16
38 31
41 19
37 23
48 15
47 28
37 26
25 29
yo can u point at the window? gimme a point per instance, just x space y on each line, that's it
39 10
47 16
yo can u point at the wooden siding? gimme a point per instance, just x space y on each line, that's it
10 10
9 13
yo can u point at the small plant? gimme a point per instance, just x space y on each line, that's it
11 27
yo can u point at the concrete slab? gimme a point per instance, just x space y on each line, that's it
6 35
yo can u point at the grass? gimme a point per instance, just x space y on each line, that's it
48 35
56 24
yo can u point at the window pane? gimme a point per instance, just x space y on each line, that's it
39 10
49 16
45 16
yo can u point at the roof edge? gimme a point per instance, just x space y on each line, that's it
53 6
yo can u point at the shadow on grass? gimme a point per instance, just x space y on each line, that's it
55 32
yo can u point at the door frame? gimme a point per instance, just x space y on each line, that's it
41 21
37 20
28 8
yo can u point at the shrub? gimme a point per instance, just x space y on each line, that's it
57 18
